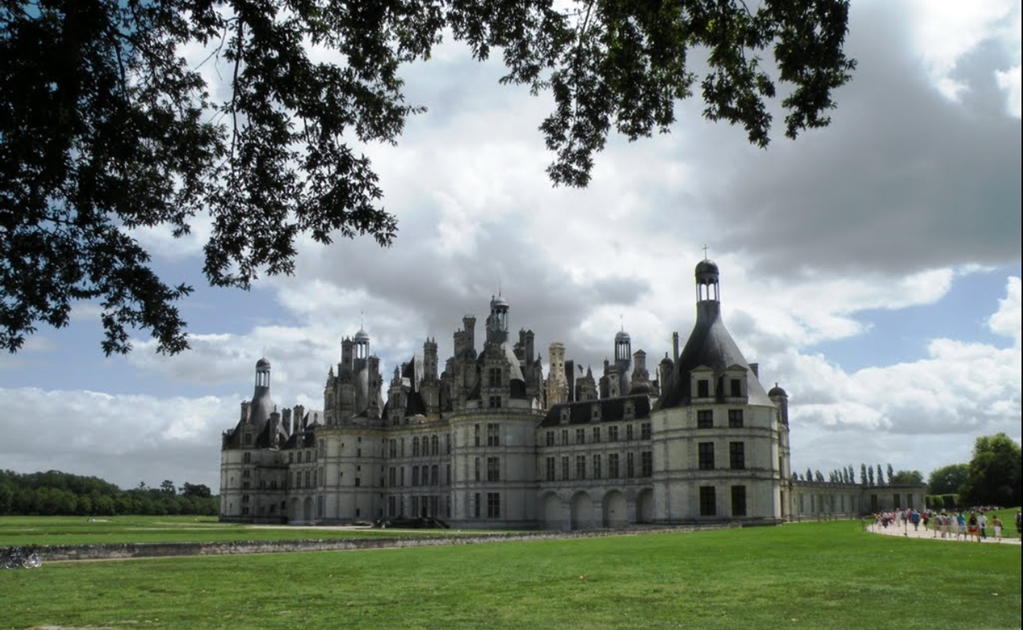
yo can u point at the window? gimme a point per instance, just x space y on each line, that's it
476 435
564 468
393 448
612 466
392 476
306 479
703 388
550 469
247 458
736 388
580 467
706 450
564 437
737 455
738 500
612 433
476 506
358 482
580 436
628 433
493 505
630 465
447 443
494 377
494 402
415 475
704 419
550 438
493 469
401 476
646 461
493 434
596 435
735 418
597 468
708 501
645 431
434 445
477 468
447 475
434 475
415 448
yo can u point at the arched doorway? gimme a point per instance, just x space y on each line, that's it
582 511
616 512
553 512
645 506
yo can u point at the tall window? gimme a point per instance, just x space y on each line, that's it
476 434
564 468
596 435
646 460
550 438
434 475
493 505
580 436
613 470
477 468
493 434
415 447
737 455
597 468
415 475
645 431
708 501
736 387
494 377
476 506
612 433
630 465
392 476
580 467
706 451
628 433
735 418
493 469
392 448
564 437
550 469
703 388
704 419
738 500
434 446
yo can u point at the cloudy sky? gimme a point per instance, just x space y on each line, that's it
871 268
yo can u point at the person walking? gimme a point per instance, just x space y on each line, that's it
972 528
982 524
997 524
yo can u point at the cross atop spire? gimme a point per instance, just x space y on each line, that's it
705 252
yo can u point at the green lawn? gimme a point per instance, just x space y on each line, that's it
69 530
815 575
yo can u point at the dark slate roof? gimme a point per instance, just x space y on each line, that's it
709 346
611 410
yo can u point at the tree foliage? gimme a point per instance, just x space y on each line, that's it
948 479
106 127
994 472
905 476
57 493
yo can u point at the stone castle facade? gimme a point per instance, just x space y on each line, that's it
491 443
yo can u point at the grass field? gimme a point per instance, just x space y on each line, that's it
814 575
60 530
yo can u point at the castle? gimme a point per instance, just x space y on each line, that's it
490 443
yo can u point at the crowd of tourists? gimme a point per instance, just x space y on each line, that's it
972 525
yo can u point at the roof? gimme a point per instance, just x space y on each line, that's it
611 410
709 346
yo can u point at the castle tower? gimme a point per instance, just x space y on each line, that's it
497 323
557 384
261 406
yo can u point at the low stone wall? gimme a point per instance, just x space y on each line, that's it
56 553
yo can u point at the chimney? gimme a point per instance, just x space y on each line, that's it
674 347
756 369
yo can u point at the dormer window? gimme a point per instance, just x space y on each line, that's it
630 410
565 415
703 388
735 388
595 413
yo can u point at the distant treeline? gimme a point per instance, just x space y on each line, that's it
58 493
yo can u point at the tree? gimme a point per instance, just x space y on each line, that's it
863 476
168 487
906 476
880 476
947 479
870 475
106 127
994 472
890 471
